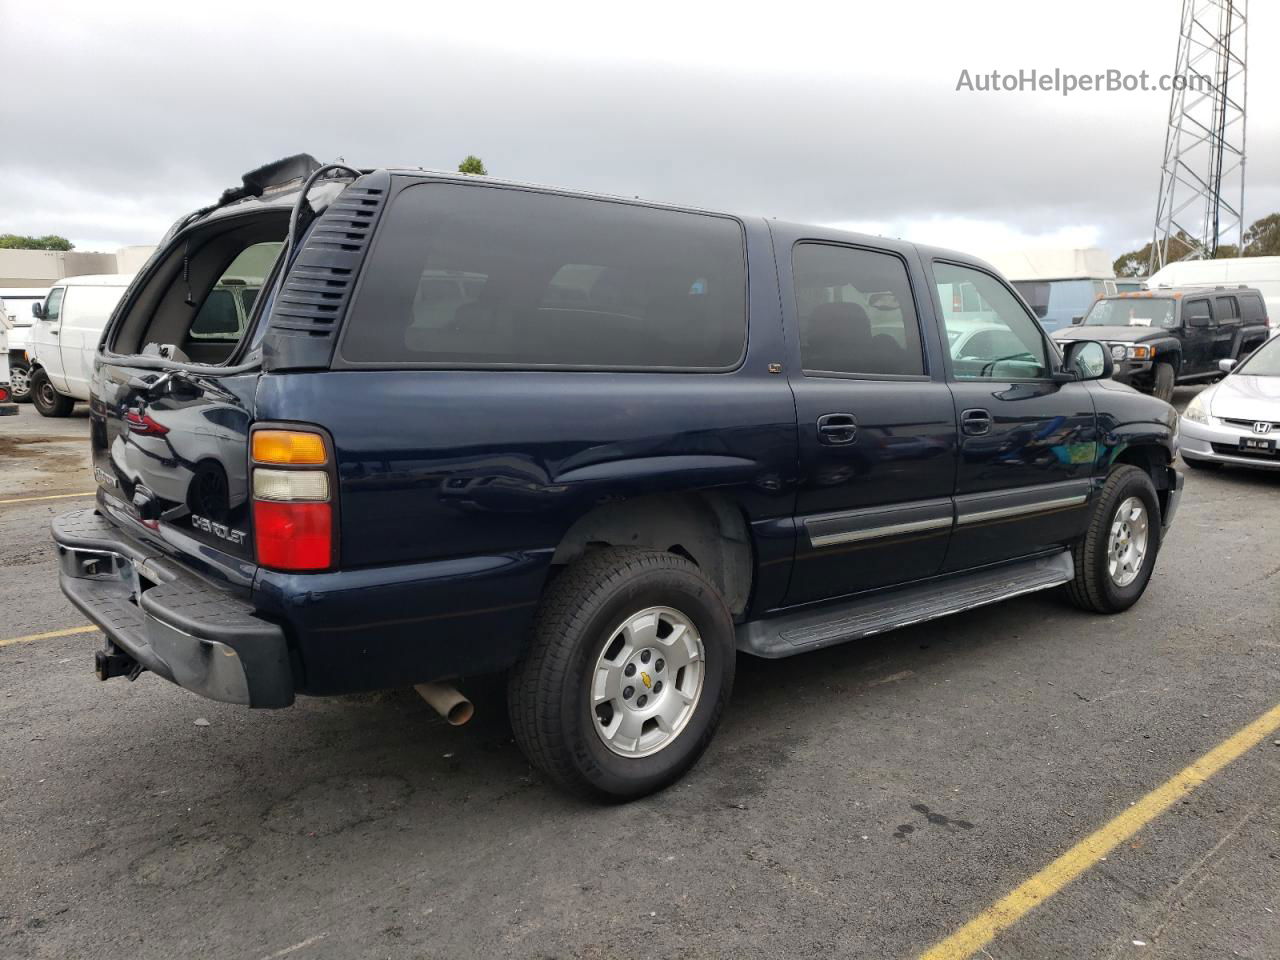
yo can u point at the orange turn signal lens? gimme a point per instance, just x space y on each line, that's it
288 447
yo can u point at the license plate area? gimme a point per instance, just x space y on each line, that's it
1258 445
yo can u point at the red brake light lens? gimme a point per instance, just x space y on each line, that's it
293 536
143 425
292 508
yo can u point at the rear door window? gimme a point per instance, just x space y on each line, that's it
857 315
465 275
1227 310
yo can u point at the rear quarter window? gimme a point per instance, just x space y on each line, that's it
464 275
1251 307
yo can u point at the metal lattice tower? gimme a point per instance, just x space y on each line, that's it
1201 198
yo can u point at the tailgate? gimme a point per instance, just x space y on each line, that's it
170 454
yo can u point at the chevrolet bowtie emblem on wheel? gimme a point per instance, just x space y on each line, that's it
1262 426
648 681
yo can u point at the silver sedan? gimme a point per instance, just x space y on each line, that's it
1237 420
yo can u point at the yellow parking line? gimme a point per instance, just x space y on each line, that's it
52 496
69 632
980 931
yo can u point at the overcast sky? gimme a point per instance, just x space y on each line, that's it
126 117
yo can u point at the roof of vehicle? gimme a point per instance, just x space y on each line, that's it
282 196
1053 263
1177 293
96 280
1224 270
22 293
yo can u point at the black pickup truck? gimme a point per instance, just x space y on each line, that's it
596 444
1160 338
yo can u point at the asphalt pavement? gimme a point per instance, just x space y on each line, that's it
861 801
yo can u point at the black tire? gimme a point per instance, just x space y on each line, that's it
1162 382
548 692
47 400
1093 587
1195 464
20 382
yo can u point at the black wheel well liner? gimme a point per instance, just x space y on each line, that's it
708 528
1154 460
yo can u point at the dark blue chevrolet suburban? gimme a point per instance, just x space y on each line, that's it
355 429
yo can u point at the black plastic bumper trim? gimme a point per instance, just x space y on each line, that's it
171 621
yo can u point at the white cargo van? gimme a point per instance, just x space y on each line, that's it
64 338
1260 272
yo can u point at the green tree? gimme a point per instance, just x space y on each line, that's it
1135 262
1262 239
51 241
473 164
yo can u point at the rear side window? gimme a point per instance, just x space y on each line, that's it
1251 307
856 312
470 275
1227 310
1036 293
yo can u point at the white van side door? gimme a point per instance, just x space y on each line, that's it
46 333
85 311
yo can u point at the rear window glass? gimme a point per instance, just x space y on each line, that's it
480 275
1251 306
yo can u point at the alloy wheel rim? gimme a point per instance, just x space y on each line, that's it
19 381
647 682
1127 542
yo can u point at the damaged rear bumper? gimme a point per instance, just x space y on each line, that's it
169 620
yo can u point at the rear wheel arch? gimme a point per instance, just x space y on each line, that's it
710 529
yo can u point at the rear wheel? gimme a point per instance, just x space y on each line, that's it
1162 385
47 400
20 382
627 674
1115 557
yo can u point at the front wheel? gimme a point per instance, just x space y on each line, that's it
627 674
47 400
20 382
1115 557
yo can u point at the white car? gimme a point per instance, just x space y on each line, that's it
64 337
1237 420
17 303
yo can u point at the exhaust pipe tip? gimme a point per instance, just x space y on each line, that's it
447 701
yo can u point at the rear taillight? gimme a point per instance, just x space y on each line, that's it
292 499
143 425
4 393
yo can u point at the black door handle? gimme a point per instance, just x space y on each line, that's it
837 428
975 422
